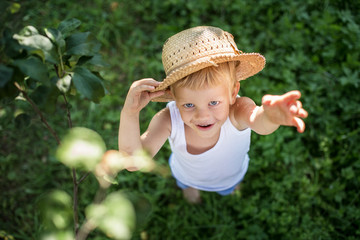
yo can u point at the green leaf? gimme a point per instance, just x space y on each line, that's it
56 211
14 8
45 97
6 74
80 44
88 84
59 235
30 38
12 48
56 37
115 216
33 67
95 60
67 26
81 147
29 31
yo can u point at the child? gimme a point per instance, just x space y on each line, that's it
207 124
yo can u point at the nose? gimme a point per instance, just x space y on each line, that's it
202 114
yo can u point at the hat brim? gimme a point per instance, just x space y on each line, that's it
250 64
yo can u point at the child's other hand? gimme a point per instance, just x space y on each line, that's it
140 95
285 110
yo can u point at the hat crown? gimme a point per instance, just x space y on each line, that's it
194 44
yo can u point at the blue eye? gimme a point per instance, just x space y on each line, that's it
214 103
188 105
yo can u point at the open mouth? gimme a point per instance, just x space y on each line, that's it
204 127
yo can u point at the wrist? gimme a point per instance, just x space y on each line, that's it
126 113
268 119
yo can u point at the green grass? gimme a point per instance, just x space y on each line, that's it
298 186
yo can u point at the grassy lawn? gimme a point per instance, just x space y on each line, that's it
298 186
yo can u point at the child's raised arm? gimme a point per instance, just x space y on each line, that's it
275 110
138 97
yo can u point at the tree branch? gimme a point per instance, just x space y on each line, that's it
37 110
88 225
75 202
83 177
68 111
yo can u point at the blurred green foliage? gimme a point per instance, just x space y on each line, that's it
299 186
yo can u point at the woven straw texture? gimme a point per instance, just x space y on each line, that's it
197 48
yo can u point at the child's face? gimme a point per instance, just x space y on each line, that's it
204 110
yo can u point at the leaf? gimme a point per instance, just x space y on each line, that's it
14 8
33 67
80 44
63 84
29 31
95 60
115 216
56 37
56 211
67 26
59 235
88 84
6 74
81 147
30 38
45 97
12 48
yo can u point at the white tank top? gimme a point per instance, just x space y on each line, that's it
217 169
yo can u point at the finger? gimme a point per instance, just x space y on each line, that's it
291 96
132 169
294 109
266 100
298 110
299 124
156 94
302 113
299 104
143 88
146 81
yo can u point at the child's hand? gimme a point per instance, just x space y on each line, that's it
285 110
140 95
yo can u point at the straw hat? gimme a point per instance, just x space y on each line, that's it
197 48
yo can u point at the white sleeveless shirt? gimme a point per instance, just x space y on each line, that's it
217 169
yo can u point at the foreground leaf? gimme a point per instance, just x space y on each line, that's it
56 211
59 235
115 216
81 147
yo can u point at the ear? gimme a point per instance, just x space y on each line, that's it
170 92
235 92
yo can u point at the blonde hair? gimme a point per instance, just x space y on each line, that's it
224 73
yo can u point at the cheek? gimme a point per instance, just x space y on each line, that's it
221 113
185 116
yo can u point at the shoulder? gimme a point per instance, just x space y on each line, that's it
241 111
